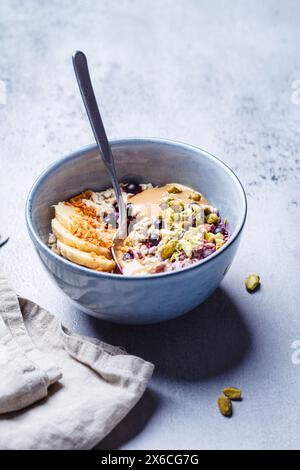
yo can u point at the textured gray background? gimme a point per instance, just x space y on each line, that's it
217 74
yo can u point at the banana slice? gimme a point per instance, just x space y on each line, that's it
77 248
71 240
65 214
89 260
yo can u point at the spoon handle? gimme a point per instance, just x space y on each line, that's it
88 96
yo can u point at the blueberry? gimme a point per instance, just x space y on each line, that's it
153 240
128 255
219 230
158 224
133 188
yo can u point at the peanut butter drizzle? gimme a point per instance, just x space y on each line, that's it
154 195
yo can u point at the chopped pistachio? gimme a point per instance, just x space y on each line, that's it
169 249
165 202
210 237
177 205
186 218
219 236
187 213
212 219
166 234
196 208
219 240
168 216
184 245
219 243
169 199
195 196
225 406
232 393
207 210
173 188
176 217
192 235
252 282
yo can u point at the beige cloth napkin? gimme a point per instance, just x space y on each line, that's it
59 390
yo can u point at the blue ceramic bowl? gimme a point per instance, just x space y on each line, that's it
143 299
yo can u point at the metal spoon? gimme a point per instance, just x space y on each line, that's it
88 96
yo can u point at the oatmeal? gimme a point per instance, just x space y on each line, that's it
169 228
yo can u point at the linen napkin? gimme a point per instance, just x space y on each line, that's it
59 390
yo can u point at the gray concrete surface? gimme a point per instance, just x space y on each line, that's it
216 74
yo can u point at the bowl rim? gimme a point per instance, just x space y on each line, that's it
121 141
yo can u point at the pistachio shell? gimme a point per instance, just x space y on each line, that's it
232 393
225 405
252 282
